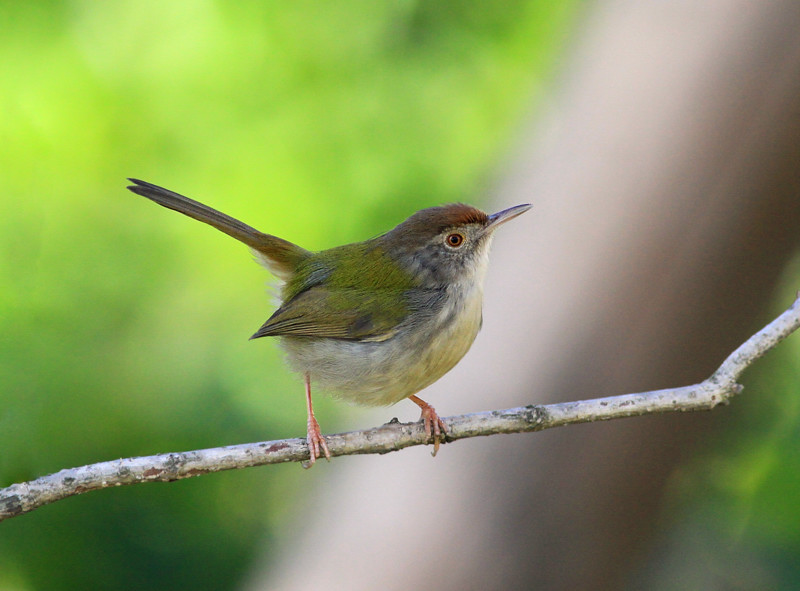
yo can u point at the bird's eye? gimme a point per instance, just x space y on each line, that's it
454 239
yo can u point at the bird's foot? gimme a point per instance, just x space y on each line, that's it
316 443
434 426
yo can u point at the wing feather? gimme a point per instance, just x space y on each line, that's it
350 314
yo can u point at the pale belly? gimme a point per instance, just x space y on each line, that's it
385 372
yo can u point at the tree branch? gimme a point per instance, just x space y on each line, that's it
717 389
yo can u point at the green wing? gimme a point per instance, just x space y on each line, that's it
339 313
353 292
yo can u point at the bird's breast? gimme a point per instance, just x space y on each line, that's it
427 345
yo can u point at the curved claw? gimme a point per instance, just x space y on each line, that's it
434 426
316 442
314 438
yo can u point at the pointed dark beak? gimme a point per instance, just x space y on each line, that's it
501 217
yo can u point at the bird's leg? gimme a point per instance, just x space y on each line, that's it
433 424
314 437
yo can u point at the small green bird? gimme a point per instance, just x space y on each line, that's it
377 321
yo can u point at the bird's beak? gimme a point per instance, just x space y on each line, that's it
501 217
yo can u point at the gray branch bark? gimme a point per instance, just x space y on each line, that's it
717 389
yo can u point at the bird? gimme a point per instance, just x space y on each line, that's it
377 321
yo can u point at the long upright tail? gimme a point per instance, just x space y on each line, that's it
279 255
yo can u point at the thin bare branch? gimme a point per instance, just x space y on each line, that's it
717 389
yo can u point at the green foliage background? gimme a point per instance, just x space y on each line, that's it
123 327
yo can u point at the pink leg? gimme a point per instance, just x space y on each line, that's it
433 424
314 437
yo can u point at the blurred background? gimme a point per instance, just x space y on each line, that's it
660 146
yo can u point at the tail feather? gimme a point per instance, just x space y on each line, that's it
279 255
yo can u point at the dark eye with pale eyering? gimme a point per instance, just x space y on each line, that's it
454 239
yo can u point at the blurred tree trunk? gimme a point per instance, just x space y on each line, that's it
665 178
